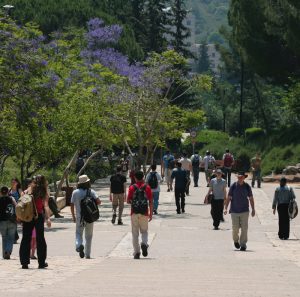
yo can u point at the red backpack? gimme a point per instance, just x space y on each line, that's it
228 160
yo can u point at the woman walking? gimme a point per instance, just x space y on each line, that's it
283 195
39 192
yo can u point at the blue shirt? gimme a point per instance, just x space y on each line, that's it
240 195
180 178
167 159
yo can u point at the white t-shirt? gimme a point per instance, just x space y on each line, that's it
159 180
186 163
207 160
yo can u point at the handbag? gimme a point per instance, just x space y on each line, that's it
208 199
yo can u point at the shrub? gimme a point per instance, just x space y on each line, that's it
254 134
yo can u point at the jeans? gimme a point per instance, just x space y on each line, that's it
88 230
118 201
217 211
284 221
196 171
155 200
139 224
7 230
256 175
240 221
180 199
227 173
40 241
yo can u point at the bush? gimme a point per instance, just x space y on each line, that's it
254 134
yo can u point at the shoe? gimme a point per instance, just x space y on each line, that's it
285 238
216 228
243 249
80 250
237 245
222 220
120 222
88 257
42 266
183 211
168 190
33 258
155 211
137 256
58 216
6 256
113 220
144 248
178 212
195 186
25 266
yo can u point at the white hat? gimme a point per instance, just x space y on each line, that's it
83 179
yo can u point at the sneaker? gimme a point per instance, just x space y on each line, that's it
243 248
113 220
6 256
178 212
237 245
58 216
137 256
155 211
216 228
42 266
120 222
183 211
25 266
88 257
33 257
144 248
168 190
80 250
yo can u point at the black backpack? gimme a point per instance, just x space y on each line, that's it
153 182
139 202
89 209
196 161
10 212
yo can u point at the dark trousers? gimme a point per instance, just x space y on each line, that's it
196 171
227 173
284 221
188 178
217 211
180 199
53 206
40 241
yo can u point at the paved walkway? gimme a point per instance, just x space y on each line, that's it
186 256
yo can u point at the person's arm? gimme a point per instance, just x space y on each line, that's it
125 190
171 182
225 192
227 201
47 211
150 196
275 202
130 194
73 212
252 206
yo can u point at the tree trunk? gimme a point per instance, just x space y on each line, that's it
2 163
241 124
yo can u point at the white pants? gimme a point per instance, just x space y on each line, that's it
88 230
139 223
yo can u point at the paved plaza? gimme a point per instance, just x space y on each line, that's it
186 256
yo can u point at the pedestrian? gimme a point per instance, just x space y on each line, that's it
15 192
217 187
117 194
180 185
209 165
282 197
186 165
228 162
153 180
256 170
168 161
39 192
83 190
239 196
140 198
196 161
124 165
8 223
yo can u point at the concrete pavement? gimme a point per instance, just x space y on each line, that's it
186 256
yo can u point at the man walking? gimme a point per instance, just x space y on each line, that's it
153 179
239 196
228 161
180 184
167 166
217 187
256 170
209 165
117 194
196 160
187 166
83 190
140 198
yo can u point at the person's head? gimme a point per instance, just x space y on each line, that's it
227 150
283 182
167 152
241 176
219 173
207 153
179 164
153 167
28 182
139 175
4 191
15 184
39 187
83 182
119 169
184 155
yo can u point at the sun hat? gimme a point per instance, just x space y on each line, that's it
219 171
242 173
83 179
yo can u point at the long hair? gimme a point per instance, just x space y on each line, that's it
40 189
18 183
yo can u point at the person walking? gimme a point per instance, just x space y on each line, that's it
180 185
82 191
153 180
39 192
167 167
209 165
228 162
140 198
124 165
117 194
8 223
187 166
217 187
282 197
256 170
239 196
196 161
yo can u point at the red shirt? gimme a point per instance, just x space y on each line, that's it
39 205
131 192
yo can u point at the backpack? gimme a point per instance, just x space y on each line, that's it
89 208
139 202
293 207
171 164
26 209
211 163
196 161
10 212
153 182
228 160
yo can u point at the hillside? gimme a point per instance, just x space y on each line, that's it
209 15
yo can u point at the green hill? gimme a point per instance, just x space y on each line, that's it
209 16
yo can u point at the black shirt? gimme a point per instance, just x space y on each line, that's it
117 182
4 201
